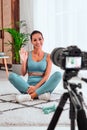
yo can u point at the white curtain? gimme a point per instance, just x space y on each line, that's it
71 23
44 20
62 22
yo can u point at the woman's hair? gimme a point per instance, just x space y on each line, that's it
35 32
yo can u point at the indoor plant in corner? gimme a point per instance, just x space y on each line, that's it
19 39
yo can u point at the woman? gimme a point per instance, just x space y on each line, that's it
38 65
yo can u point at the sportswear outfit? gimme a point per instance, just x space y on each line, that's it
32 66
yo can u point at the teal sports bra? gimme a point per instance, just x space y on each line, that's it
34 66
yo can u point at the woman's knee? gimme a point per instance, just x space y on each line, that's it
12 76
57 75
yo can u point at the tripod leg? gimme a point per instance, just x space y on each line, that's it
58 111
72 115
81 120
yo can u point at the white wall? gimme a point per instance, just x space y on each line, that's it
26 13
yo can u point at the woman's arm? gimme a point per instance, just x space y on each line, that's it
24 57
24 68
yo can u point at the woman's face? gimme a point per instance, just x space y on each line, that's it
37 40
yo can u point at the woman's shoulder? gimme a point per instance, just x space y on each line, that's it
29 52
46 53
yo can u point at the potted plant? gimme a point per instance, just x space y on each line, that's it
19 39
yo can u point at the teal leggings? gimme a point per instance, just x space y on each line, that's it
20 84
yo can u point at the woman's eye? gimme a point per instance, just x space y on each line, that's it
35 40
40 39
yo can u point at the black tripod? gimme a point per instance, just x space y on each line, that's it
76 105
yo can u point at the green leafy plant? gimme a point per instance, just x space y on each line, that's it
19 39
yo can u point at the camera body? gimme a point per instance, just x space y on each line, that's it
70 58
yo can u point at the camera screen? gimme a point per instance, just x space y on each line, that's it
73 62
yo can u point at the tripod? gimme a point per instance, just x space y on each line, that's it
76 106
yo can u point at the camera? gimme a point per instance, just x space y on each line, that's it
70 58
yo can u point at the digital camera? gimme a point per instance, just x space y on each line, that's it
70 58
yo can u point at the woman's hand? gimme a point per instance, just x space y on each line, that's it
31 89
23 54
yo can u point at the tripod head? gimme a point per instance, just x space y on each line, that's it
68 74
72 87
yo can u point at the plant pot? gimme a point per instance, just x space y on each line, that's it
16 68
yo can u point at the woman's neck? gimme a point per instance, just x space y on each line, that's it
37 51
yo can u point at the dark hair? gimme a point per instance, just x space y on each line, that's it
35 32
